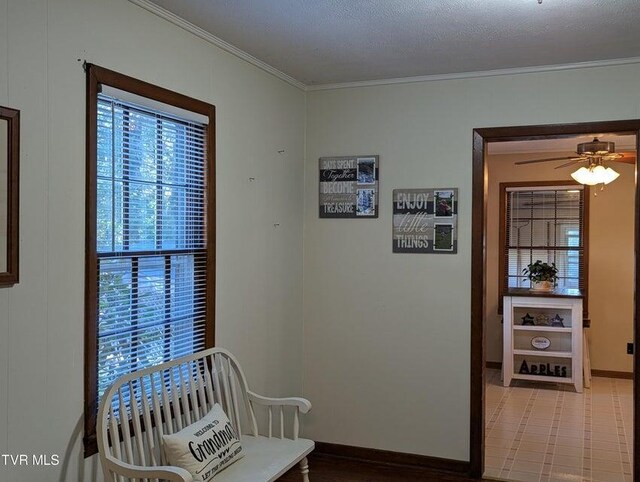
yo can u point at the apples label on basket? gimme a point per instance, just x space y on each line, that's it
540 342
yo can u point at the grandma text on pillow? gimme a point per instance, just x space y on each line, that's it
206 447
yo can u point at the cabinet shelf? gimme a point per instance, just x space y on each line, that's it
543 353
542 378
554 329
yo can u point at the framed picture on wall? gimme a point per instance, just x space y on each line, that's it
443 237
366 170
443 203
365 205
349 186
425 221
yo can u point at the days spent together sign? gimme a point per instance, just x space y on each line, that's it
349 186
425 220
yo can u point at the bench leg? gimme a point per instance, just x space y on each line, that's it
304 469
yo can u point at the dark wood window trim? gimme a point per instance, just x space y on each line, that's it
96 77
502 280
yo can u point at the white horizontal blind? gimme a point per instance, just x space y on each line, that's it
151 242
548 225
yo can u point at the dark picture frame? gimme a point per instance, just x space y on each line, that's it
10 120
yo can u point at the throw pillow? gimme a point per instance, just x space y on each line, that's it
206 447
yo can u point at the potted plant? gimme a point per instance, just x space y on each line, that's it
543 276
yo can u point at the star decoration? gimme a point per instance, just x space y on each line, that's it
557 321
527 320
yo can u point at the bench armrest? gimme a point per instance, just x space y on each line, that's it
302 403
164 472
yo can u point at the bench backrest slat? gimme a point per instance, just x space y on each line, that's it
202 399
157 420
228 405
124 425
208 383
146 413
137 429
115 435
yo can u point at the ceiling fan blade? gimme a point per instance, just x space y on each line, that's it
573 162
532 161
627 157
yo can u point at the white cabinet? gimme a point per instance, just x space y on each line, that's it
543 339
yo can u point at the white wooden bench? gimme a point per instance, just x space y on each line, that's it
142 406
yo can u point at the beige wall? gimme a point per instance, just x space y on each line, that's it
387 335
610 257
611 273
259 266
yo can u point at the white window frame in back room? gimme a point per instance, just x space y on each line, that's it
166 116
503 270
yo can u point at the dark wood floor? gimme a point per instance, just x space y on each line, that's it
324 468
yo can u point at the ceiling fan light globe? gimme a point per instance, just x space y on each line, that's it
584 176
611 175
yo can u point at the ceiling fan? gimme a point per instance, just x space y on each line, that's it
595 153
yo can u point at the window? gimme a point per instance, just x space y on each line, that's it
547 223
149 231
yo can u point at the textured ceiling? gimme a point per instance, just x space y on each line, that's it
329 41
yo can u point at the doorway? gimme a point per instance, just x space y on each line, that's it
478 269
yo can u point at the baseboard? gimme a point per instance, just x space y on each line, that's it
386 457
494 364
612 374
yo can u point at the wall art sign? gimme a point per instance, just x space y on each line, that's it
425 221
349 186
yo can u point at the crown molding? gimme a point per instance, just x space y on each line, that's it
218 42
472 75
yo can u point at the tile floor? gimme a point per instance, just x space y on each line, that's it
547 432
